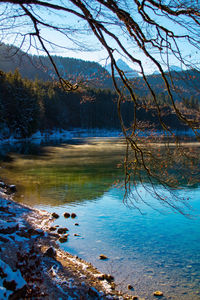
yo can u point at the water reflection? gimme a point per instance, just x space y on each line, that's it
151 251
69 172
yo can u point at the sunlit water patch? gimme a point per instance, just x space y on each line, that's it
159 250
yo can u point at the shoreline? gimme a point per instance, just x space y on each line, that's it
63 134
29 249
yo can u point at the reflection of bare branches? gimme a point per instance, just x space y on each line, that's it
160 171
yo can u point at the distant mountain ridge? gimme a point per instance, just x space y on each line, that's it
130 73
32 66
94 75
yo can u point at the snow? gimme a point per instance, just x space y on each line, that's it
4 225
84 266
58 134
9 276
12 218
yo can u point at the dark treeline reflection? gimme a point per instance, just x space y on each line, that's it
55 173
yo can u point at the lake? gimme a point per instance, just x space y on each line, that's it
157 249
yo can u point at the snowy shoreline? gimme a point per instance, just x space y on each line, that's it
33 265
61 134
57 134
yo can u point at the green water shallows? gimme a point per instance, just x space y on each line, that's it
154 251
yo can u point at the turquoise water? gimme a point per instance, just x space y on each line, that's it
156 250
151 252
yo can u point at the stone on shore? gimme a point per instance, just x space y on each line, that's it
66 215
50 252
102 256
8 227
130 287
158 293
2 184
12 188
52 228
55 215
63 239
62 230
108 277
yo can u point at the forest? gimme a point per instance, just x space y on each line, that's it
27 106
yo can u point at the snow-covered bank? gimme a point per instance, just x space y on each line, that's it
59 134
32 265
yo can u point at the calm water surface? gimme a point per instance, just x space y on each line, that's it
153 251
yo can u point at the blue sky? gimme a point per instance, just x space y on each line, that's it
81 43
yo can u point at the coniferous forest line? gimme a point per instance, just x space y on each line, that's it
27 106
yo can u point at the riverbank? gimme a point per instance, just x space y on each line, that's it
33 266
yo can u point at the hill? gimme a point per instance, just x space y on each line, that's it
32 67
130 73
186 83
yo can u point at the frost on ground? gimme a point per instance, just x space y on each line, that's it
10 281
33 267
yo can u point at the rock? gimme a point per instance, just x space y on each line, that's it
4 209
66 215
112 285
73 215
135 298
39 231
102 256
108 277
158 293
19 293
12 188
2 273
76 224
4 240
93 292
63 239
33 231
2 185
52 228
54 235
62 230
51 252
10 285
23 233
8 227
101 276
55 215
129 287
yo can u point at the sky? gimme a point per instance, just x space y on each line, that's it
81 43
